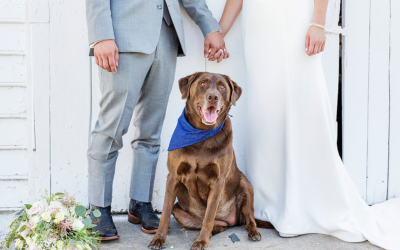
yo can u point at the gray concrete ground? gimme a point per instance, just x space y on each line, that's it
179 238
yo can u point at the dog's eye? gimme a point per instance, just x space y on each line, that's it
203 83
222 86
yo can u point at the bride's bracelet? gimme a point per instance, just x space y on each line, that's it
318 25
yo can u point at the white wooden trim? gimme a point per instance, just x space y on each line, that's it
13 84
13 147
378 101
12 20
13 178
11 53
13 116
355 66
394 136
38 85
9 209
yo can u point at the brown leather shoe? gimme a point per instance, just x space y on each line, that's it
105 226
142 212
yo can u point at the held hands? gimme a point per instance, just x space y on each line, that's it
214 47
315 40
106 55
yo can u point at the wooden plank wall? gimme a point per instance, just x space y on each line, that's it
49 95
355 52
378 101
14 183
70 102
394 96
38 79
74 102
371 97
14 139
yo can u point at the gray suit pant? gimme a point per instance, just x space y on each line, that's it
141 86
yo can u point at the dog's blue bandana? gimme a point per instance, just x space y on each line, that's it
185 135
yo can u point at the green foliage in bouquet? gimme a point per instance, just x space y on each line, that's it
57 222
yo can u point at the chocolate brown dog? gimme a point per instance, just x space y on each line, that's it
212 192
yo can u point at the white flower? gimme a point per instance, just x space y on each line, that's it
29 241
60 244
72 210
46 217
77 224
53 248
36 208
54 207
24 233
19 244
35 219
59 217
51 239
35 237
34 247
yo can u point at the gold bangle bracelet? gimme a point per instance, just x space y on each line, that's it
317 25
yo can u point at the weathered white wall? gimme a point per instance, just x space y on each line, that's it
371 96
49 96
14 188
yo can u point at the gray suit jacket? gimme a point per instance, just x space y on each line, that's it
135 24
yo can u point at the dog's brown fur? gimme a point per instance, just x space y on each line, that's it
212 192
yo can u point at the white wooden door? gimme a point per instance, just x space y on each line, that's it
14 170
371 82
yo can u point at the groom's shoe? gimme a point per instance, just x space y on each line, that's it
105 226
142 212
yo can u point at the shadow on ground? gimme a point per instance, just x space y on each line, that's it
131 237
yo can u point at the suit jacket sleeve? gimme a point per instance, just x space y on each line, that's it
199 12
99 21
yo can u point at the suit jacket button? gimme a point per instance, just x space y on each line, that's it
159 6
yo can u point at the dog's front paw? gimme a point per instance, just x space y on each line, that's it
157 242
199 245
254 235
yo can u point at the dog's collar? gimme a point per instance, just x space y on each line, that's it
186 135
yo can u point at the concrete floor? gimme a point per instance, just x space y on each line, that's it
179 238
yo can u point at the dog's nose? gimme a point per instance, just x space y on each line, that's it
212 98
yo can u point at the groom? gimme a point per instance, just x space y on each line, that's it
136 43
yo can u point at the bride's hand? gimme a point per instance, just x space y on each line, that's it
315 40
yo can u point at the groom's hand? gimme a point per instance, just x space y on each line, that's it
214 45
106 55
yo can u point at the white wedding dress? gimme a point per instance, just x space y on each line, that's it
301 185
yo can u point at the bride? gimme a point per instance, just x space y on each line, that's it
301 185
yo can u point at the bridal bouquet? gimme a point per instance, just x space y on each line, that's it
57 222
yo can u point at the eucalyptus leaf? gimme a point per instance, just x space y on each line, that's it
80 210
92 225
96 213
47 234
17 225
19 212
72 242
67 203
87 221
22 228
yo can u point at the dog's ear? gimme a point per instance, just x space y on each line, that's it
185 83
236 91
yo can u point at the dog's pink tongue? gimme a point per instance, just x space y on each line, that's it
210 115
